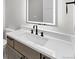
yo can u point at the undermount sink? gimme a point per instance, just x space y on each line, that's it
37 39
32 37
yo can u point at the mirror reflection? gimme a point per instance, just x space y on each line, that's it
41 11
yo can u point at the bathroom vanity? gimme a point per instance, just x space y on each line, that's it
21 44
17 50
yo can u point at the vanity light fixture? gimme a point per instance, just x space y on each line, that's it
67 3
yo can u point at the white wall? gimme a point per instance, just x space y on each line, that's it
16 12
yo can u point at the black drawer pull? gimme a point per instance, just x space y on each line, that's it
44 58
22 58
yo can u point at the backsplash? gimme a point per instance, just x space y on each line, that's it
58 35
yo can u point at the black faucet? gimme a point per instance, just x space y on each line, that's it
36 29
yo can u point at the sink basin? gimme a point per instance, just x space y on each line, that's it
32 37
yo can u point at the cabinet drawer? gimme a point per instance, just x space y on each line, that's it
13 54
26 51
10 41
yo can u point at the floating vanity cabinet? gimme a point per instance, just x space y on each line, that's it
26 51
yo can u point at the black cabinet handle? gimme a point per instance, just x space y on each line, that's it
44 58
22 57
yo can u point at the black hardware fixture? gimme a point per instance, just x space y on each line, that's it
44 58
67 3
42 34
36 29
32 31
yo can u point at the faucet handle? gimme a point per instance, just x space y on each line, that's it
42 34
32 31
33 26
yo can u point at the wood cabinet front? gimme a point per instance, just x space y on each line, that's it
10 41
17 50
26 51
13 54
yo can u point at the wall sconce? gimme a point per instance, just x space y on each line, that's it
67 3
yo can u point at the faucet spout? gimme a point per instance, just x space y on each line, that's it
36 29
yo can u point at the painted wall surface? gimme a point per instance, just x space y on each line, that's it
15 11
15 16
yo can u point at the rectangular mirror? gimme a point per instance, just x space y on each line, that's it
42 11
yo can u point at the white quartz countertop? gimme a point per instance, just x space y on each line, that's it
52 48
